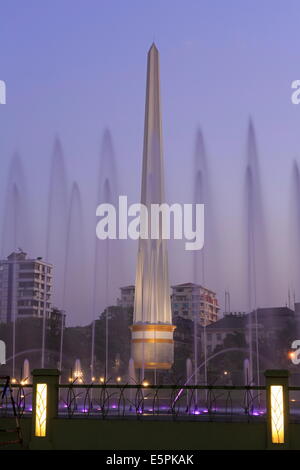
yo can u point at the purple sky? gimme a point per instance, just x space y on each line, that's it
73 68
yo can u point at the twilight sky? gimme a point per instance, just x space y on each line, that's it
73 68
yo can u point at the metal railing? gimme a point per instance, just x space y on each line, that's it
22 396
225 403
294 404
177 402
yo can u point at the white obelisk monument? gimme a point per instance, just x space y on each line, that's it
152 329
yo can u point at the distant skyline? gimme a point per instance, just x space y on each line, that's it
74 68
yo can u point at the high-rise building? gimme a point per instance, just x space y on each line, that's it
152 329
192 301
25 287
126 299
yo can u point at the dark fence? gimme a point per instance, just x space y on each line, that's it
180 402
162 402
22 400
105 401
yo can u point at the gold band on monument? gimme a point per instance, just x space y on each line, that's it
154 365
152 327
152 340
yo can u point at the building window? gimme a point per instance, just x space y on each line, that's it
28 266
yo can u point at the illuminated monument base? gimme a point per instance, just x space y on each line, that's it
152 346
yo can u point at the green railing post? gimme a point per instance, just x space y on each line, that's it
44 407
277 390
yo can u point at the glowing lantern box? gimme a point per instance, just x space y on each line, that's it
277 408
44 407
